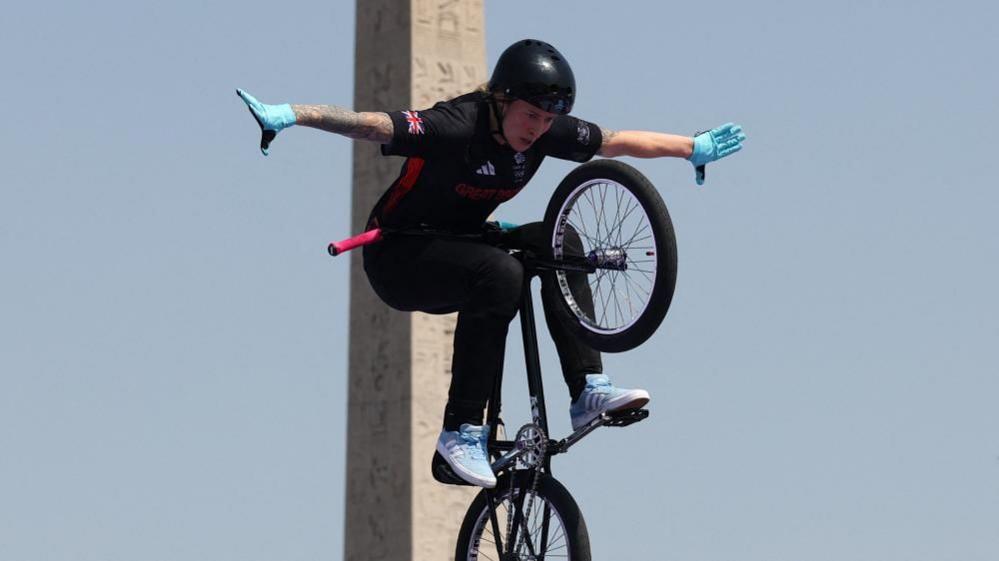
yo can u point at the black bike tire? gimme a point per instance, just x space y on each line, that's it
661 225
548 488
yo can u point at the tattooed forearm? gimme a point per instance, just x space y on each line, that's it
644 144
376 127
607 136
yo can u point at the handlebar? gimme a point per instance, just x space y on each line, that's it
369 237
583 263
376 235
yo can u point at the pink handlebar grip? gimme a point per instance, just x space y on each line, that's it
369 237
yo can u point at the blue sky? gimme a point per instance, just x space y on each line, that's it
173 337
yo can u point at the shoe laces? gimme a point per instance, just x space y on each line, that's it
473 441
599 384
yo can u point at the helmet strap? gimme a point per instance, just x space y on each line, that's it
497 118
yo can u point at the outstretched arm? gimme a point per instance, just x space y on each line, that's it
643 144
702 149
376 127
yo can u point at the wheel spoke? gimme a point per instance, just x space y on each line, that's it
617 302
623 220
596 293
629 211
617 213
603 205
642 226
645 272
628 287
649 237
605 307
582 233
593 206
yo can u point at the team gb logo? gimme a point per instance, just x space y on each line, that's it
415 122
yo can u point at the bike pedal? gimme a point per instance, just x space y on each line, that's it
624 417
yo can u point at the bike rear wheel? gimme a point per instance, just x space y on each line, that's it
554 525
608 214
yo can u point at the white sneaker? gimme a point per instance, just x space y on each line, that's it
601 396
465 451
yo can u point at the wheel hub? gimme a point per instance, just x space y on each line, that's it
615 258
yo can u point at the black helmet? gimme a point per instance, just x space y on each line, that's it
537 73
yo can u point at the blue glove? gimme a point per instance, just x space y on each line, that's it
714 145
271 118
505 225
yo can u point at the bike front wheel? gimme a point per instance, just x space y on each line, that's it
607 215
551 525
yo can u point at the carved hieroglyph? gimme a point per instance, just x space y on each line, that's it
409 55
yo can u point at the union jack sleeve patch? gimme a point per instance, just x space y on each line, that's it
415 122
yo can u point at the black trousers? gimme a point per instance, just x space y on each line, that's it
483 284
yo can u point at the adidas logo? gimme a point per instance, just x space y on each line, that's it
486 169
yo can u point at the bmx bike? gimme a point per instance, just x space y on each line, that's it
608 222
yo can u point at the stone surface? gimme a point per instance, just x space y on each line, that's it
409 54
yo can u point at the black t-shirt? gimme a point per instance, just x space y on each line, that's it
456 173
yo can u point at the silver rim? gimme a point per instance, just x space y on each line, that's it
608 218
483 542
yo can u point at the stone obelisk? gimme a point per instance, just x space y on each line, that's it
409 55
